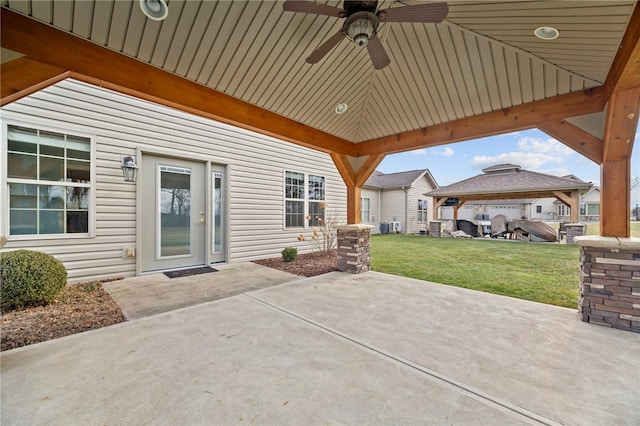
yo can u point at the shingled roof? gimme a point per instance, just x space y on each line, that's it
397 180
509 178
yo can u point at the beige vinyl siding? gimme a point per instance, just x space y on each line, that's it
393 206
416 192
122 125
374 196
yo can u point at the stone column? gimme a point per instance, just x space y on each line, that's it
434 229
610 281
353 248
574 230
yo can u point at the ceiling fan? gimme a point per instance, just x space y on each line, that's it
362 21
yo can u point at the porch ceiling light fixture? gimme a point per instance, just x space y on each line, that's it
341 108
129 169
546 33
154 9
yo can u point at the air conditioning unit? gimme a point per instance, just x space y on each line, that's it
395 227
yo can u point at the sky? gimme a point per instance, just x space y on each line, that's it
531 149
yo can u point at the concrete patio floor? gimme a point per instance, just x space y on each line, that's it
335 349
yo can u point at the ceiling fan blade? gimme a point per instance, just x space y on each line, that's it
311 7
378 55
324 48
432 12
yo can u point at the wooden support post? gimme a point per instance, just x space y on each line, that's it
354 179
615 171
615 203
437 203
353 204
571 200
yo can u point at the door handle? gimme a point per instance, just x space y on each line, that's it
201 217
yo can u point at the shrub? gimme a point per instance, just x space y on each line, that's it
29 278
324 235
289 254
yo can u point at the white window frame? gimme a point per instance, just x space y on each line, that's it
307 221
423 211
364 211
44 126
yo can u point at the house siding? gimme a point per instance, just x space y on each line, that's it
374 195
401 205
415 193
123 125
393 206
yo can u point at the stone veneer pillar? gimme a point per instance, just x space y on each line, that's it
574 230
435 229
610 281
353 248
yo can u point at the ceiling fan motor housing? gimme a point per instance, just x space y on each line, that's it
360 27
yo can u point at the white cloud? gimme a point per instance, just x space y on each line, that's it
446 152
534 153
527 160
544 146
422 151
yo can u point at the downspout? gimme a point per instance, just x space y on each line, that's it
379 208
406 209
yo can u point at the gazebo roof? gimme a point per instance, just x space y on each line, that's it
508 179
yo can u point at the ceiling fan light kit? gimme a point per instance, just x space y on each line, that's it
156 10
362 21
360 27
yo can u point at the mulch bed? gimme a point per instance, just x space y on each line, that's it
306 265
78 308
83 307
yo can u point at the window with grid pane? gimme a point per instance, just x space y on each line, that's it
365 209
422 210
49 179
304 199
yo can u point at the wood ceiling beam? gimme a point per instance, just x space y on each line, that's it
504 196
354 179
23 76
113 70
575 138
519 117
625 70
367 168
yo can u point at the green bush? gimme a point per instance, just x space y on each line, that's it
289 254
29 278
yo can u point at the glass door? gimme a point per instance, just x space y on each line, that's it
218 210
174 216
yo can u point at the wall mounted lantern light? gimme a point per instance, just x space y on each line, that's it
129 169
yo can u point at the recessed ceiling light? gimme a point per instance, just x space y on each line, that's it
341 108
546 33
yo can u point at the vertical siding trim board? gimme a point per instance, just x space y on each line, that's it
123 125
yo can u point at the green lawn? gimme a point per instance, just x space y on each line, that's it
594 229
542 272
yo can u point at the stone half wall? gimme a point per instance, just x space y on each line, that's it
610 281
354 248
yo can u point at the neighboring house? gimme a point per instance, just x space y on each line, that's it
398 197
206 191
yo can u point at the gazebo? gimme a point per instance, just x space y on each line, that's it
510 182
